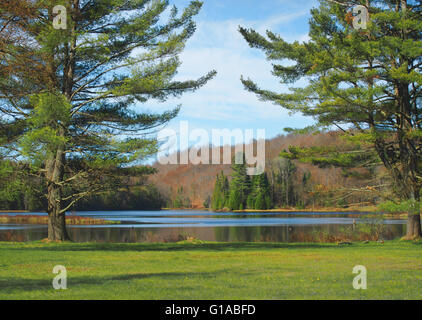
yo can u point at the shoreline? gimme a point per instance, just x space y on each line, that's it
287 210
43 220
368 209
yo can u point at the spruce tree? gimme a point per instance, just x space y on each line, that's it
261 193
250 201
367 82
217 196
240 185
221 192
68 94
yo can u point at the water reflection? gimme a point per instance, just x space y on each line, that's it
172 226
222 234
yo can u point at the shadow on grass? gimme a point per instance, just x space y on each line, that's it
8 285
171 246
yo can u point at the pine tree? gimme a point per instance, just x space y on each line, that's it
221 192
365 81
261 193
260 203
68 94
217 196
240 185
181 200
250 201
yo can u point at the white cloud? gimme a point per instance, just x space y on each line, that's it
218 45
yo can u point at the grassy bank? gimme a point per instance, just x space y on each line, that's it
210 271
70 220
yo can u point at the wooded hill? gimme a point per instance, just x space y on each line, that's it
293 183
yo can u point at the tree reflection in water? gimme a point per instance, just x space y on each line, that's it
308 233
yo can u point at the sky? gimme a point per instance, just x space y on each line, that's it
223 103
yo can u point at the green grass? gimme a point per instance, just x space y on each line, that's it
210 271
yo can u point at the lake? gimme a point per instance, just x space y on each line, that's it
176 225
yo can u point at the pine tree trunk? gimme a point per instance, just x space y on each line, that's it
56 218
57 225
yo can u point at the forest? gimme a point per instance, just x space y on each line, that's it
286 183
21 192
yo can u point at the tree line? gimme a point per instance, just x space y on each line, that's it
22 192
281 186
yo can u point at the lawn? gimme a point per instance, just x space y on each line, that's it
210 270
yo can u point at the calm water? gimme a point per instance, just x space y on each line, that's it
170 226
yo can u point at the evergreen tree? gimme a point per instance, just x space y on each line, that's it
67 94
19 191
365 81
181 201
260 203
261 193
226 191
240 185
217 194
250 201
221 192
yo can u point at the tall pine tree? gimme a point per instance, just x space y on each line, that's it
221 192
260 196
240 185
68 94
365 81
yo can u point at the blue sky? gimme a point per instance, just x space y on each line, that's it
223 103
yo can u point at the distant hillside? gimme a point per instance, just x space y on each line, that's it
197 181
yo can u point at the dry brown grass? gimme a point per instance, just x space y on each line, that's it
70 220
